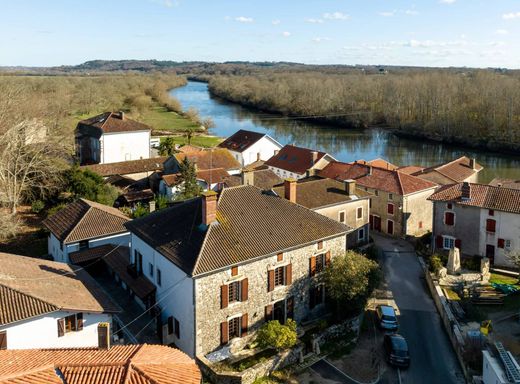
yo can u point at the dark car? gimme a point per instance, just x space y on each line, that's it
387 318
396 349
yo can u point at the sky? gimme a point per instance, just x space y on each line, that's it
472 33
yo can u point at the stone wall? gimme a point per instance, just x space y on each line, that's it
418 213
380 208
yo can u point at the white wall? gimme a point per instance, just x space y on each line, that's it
174 295
124 146
42 332
282 173
507 228
492 371
266 147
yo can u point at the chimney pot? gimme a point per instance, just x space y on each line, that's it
350 187
209 207
473 164
369 170
314 157
290 190
466 191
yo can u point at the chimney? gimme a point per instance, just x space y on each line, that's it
248 177
104 335
466 191
258 156
209 207
369 170
290 189
121 115
473 164
350 187
314 157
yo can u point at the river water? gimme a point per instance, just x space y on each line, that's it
344 144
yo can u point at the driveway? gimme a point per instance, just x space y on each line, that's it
433 359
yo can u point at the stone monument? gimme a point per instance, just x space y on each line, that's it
454 261
484 269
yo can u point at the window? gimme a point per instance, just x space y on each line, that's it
342 216
320 263
279 278
448 242
234 292
359 214
3 340
234 327
507 244
491 212
491 225
376 192
366 189
390 196
361 234
72 323
449 218
83 244
159 277
390 209
279 257
150 269
234 271
449 206
177 329
370 203
170 325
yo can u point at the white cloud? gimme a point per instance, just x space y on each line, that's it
501 32
243 19
286 34
314 21
447 1
336 16
511 15
320 39
387 14
411 12
275 22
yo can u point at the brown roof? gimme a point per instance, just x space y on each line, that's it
114 122
249 224
381 179
128 167
210 159
43 285
241 140
410 169
315 193
210 176
85 219
482 195
294 159
506 183
262 178
457 170
380 163
188 148
121 364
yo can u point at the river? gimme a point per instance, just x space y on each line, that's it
343 144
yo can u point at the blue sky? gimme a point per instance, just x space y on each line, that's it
478 33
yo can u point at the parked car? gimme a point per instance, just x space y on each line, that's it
387 319
396 349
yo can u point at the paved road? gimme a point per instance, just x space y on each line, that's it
433 359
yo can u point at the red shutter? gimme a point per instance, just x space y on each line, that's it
312 266
61 327
438 241
490 225
449 218
79 321
224 333
288 274
458 243
327 259
390 209
3 340
501 243
270 280
244 289
224 296
268 312
244 325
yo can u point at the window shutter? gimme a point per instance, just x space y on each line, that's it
327 259
449 218
312 266
3 340
270 280
244 287
268 312
458 243
438 241
288 274
244 326
224 296
501 243
79 321
224 333
61 327
490 225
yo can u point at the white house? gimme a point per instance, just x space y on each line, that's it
46 304
248 147
110 138
84 224
296 162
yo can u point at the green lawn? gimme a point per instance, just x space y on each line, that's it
199 141
162 120
503 279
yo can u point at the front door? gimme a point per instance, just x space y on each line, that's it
490 253
377 223
279 311
371 221
390 227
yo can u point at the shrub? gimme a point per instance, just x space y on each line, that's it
275 335
140 210
37 206
161 202
435 263
471 263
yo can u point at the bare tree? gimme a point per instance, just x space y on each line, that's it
514 257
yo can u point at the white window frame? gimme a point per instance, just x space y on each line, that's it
450 240
508 244
390 197
239 316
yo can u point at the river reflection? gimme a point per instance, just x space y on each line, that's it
343 144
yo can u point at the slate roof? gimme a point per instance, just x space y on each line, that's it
482 195
121 364
112 122
249 224
262 178
128 167
241 140
316 192
457 170
506 183
210 159
381 179
34 287
85 219
294 159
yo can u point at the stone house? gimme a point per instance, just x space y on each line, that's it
207 179
222 268
297 162
45 304
132 169
399 205
206 159
248 147
455 171
110 138
478 219
340 201
84 224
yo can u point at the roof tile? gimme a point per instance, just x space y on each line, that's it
294 159
114 122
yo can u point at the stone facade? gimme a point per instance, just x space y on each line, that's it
208 312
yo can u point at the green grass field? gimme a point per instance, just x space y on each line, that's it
198 141
503 279
162 120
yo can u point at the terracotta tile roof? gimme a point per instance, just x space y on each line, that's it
294 159
88 255
506 183
85 219
241 140
482 195
118 181
381 179
121 364
262 178
187 148
457 170
379 163
114 122
212 176
59 285
210 159
16 306
249 224
410 169
316 192
128 167
137 196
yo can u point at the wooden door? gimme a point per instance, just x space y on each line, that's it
390 227
490 253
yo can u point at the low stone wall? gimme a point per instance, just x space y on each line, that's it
333 332
249 375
